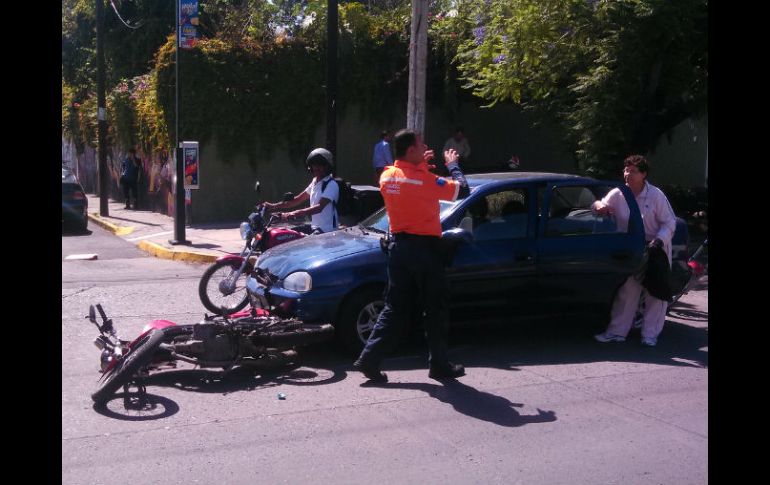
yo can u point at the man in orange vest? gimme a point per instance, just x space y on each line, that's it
416 277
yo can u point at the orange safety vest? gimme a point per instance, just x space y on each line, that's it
411 194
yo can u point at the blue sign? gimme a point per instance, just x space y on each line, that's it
188 20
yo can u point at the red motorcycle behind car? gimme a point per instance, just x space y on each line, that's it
222 288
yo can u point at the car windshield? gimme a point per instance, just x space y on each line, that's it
67 177
379 220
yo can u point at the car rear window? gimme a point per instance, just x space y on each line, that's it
67 177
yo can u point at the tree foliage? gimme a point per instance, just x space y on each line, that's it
258 71
618 74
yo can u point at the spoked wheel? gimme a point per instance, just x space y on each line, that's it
139 355
219 293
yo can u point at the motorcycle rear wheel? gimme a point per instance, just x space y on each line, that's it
210 295
124 370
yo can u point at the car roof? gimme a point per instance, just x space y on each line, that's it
479 179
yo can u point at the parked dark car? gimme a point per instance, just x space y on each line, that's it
526 244
74 204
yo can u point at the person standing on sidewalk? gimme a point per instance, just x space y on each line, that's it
416 276
459 143
659 226
381 157
129 177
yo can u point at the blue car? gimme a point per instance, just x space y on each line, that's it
525 243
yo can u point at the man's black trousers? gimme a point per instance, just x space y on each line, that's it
416 282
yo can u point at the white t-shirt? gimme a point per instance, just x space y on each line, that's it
327 220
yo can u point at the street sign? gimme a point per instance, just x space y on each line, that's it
191 164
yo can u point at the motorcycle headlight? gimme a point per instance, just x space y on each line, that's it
299 281
245 229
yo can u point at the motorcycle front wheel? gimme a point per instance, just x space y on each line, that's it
212 297
139 355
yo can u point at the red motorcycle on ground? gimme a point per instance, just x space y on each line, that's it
248 338
222 288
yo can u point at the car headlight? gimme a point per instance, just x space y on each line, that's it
299 281
245 228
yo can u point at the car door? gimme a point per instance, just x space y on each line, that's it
582 257
495 274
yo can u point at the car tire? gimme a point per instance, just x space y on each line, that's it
82 224
357 317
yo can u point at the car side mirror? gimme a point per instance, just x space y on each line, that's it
457 235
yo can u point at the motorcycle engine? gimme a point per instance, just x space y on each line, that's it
208 343
219 348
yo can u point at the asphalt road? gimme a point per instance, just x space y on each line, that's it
542 403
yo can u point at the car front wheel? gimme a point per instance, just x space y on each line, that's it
357 318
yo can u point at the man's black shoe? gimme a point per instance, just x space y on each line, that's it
372 373
446 371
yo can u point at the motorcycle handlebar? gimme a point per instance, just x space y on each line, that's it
101 312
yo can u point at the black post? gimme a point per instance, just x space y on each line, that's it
179 207
101 112
331 78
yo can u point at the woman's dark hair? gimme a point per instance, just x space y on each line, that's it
403 140
638 161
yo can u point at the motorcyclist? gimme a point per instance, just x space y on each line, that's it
323 194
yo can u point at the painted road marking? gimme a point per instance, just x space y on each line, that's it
150 235
87 257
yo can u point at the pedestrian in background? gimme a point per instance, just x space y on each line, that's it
416 275
459 143
129 177
382 156
659 226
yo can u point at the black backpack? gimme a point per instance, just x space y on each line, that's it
345 204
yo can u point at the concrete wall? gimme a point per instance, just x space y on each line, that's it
682 157
227 189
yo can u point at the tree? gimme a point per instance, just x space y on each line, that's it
618 74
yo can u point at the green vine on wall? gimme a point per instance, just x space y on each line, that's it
253 97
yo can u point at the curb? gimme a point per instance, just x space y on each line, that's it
161 252
117 230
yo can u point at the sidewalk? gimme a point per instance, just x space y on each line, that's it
151 232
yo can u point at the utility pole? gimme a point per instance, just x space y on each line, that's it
331 77
418 53
101 113
179 207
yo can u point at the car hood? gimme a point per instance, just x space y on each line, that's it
313 251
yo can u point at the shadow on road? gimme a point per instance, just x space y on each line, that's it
243 378
67 231
477 404
565 342
126 407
